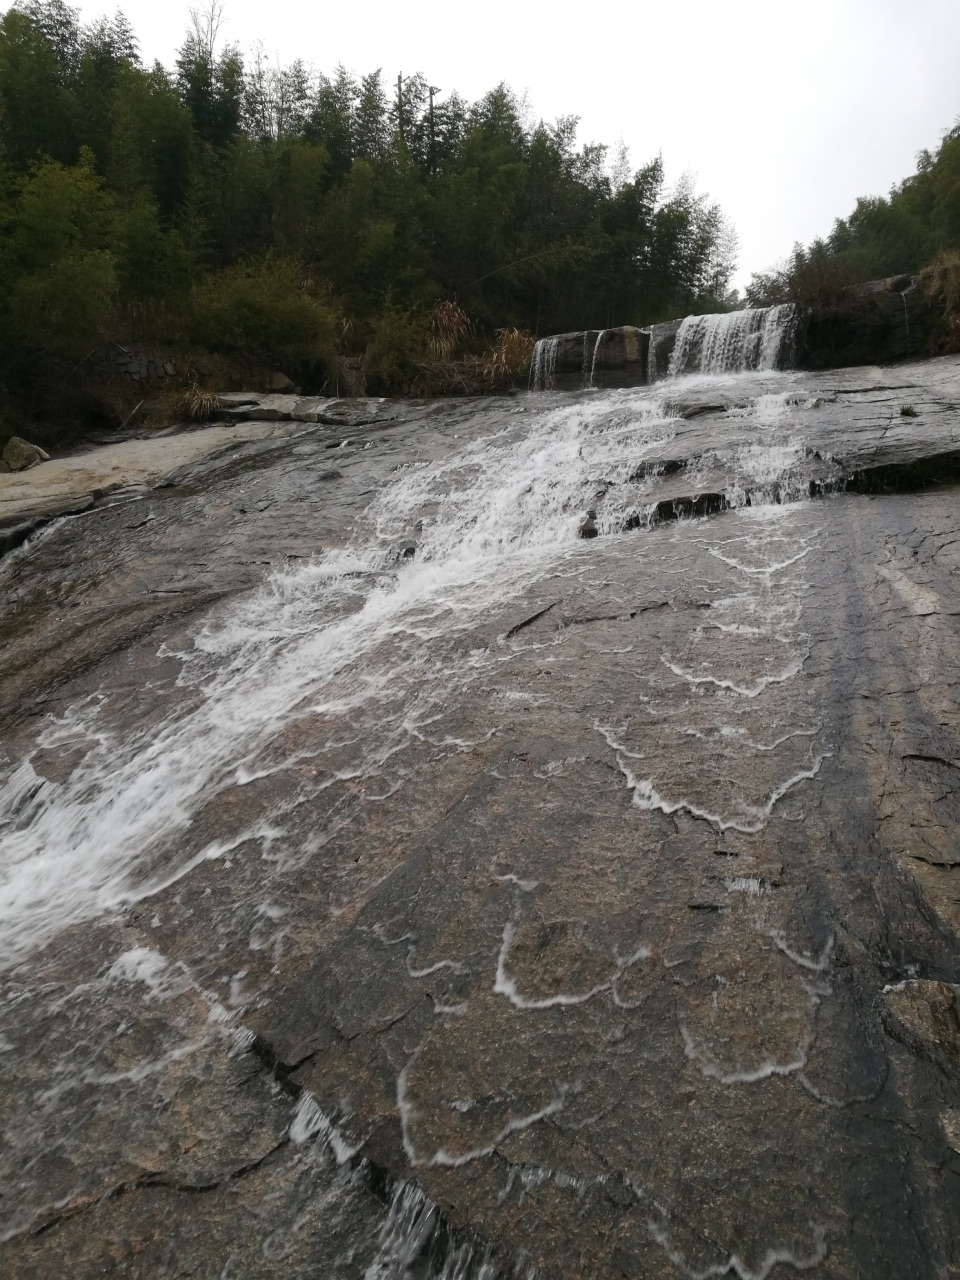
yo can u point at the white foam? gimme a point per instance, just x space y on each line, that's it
162 978
816 964
750 819
525 886
750 885
504 985
734 1265
437 967
760 571
744 690
454 1160
765 1070
310 1122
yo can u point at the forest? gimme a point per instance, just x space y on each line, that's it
358 233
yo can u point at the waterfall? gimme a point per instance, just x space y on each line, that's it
734 342
596 352
906 316
543 364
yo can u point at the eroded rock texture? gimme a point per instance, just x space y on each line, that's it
398 884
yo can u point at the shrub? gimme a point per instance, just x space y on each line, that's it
391 358
266 305
63 313
811 278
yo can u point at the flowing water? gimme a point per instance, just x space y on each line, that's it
758 339
544 363
257 780
734 342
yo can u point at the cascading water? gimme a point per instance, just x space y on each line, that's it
463 834
494 518
756 339
544 363
733 342
596 352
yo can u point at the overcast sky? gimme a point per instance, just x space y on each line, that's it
784 113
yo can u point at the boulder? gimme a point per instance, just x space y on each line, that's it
19 454
279 382
562 362
619 357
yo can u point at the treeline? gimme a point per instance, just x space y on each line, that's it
231 205
916 228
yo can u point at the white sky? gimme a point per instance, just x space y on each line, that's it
785 113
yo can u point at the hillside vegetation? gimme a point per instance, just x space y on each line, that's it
355 233
914 230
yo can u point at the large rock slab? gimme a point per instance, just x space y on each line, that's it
523 902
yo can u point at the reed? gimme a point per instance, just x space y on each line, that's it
508 361
449 327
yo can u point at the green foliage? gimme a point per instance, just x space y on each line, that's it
34 101
263 305
941 283
58 266
394 351
255 209
63 317
814 277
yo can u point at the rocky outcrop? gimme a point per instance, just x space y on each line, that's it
592 358
250 422
881 322
878 323
925 1016
663 339
619 357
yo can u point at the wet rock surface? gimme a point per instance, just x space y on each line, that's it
525 905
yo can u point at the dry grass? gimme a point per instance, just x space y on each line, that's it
449 326
507 362
194 404
501 367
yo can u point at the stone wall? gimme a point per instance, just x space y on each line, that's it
154 369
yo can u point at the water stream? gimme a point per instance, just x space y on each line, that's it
732 342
